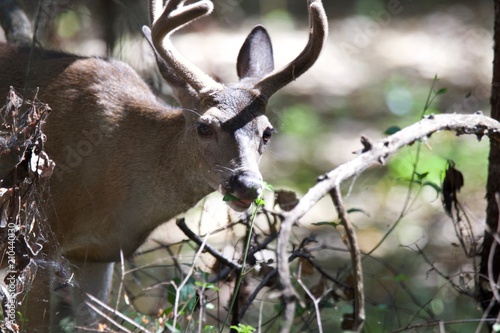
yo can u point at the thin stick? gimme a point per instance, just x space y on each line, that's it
118 313
313 299
359 295
188 275
114 322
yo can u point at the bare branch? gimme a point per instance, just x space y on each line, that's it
359 296
181 223
313 298
477 124
288 293
178 289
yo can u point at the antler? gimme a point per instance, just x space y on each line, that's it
174 16
318 31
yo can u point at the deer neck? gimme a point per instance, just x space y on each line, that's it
173 180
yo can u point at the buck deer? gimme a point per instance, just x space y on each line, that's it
126 162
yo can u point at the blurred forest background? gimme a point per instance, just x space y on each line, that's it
377 70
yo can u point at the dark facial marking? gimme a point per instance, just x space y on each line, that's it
256 108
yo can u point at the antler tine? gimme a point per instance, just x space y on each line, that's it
155 7
318 31
175 15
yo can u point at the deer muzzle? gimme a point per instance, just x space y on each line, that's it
245 186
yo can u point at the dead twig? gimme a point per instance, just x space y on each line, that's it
181 223
359 296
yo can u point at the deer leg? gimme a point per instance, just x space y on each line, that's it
94 279
90 278
35 306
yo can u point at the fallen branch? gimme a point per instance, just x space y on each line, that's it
373 153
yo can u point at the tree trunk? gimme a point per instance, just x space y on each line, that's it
490 257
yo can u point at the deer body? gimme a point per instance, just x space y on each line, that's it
119 153
125 162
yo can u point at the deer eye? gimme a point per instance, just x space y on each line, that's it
204 129
268 133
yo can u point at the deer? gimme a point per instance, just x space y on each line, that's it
126 162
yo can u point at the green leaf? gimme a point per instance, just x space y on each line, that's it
167 311
330 224
230 197
268 186
421 176
209 329
206 285
436 187
260 202
171 291
401 277
391 130
242 328
441 91
357 210
172 329
187 295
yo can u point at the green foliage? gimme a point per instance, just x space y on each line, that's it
229 197
369 7
187 296
392 129
68 24
209 329
300 120
242 328
206 285
171 328
279 17
259 201
67 325
335 224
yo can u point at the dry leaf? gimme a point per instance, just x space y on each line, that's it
286 200
453 181
306 267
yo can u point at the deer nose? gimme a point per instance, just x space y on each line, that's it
245 185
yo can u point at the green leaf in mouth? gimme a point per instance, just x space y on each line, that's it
230 197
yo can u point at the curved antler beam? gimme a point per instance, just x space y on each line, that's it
174 16
318 31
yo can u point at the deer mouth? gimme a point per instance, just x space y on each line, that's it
242 189
240 205
237 204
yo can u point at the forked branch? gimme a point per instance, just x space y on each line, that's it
376 153
359 296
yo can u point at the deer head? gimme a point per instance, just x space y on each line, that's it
229 121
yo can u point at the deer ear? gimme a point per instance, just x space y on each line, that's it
255 59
